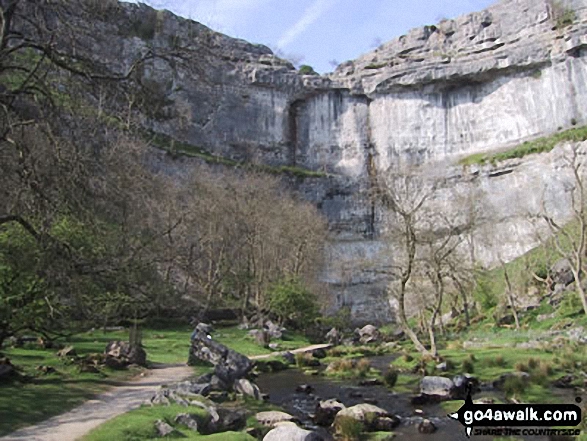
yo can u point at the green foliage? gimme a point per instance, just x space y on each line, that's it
390 377
540 145
348 428
515 386
293 303
484 290
307 70
341 320
563 16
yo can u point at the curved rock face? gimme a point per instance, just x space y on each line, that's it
481 82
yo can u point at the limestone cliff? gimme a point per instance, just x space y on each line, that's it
481 82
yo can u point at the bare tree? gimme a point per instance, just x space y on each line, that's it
570 241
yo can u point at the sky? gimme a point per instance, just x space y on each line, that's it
319 33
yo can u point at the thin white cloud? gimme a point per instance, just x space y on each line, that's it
311 14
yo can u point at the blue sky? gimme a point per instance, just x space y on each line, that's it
320 31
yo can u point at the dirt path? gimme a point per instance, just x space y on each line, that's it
78 422
294 351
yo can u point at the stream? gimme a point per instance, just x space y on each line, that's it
281 387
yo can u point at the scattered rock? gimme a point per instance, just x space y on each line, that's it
564 382
274 346
204 328
120 354
543 317
384 424
326 411
67 352
274 417
367 414
578 334
305 389
461 385
498 384
290 432
427 427
187 420
288 357
369 334
319 353
333 337
164 429
245 387
371 382
228 420
561 273
46 369
274 331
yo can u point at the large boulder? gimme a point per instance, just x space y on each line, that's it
369 334
291 432
326 412
228 364
372 417
120 354
437 388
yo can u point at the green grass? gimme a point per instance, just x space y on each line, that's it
48 395
139 425
540 145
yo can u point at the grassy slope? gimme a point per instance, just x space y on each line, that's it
27 403
540 145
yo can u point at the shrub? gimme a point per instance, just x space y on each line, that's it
533 363
499 361
390 377
304 359
291 302
363 367
521 367
514 386
307 70
348 428
468 367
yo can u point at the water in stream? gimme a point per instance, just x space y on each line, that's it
281 387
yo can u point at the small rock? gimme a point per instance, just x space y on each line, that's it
427 427
288 357
46 369
274 346
245 387
442 366
369 334
164 429
333 337
187 420
68 351
319 353
371 382
305 389
564 382
384 424
326 411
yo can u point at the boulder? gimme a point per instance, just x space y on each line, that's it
191 388
326 412
372 417
204 328
333 337
439 388
120 354
228 364
273 417
319 353
290 432
261 336
561 273
187 420
564 382
228 420
369 334
245 387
